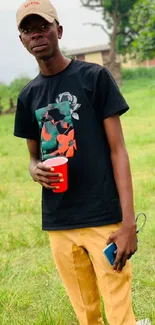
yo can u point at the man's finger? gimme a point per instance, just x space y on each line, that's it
55 181
118 259
48 187
45 180
110 240
44 167
122 263
129 256
48 174
50 181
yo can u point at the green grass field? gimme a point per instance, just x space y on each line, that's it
31 292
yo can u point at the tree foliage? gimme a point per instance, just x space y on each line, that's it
116 15
9 93
17 85
4 96
142 21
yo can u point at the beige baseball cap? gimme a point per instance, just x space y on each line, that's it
43 8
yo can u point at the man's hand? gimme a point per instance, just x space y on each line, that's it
126 241
43 174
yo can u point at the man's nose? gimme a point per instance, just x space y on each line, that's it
36 35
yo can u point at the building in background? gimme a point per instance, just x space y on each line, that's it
99 54
96 54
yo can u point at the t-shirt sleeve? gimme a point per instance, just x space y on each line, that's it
108 98
25 123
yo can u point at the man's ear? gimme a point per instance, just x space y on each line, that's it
21 40
60 31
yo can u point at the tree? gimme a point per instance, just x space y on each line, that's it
16 86
9 94
4 95
143 22
115 14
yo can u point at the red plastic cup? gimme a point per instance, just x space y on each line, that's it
60 165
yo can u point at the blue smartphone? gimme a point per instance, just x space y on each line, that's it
110 252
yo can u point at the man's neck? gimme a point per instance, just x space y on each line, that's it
53 65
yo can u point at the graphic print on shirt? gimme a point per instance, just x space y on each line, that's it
74 106
56 126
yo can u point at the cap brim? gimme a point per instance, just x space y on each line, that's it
45 16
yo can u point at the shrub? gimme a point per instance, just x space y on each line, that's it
136 73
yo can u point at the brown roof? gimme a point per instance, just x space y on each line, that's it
86 50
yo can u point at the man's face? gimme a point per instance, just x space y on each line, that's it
40 37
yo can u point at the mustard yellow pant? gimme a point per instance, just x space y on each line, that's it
85 271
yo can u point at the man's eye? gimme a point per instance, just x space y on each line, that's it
44 26
26 31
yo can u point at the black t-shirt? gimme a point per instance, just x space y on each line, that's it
65 112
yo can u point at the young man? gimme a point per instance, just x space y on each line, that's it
72 108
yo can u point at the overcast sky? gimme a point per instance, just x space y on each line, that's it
15 61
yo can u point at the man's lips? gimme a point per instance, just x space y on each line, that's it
39 47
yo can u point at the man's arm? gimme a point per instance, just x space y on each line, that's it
39 172
125 238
